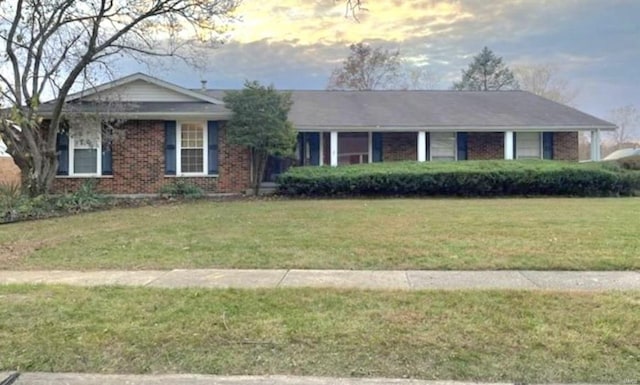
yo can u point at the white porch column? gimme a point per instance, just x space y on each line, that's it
422 146
321 150
595 145
370 147
508 144
334 148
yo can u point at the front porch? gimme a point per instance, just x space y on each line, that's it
336 148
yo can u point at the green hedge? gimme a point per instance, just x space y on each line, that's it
469 178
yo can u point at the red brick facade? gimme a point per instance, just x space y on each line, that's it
138 164
9 172
565 146
485 145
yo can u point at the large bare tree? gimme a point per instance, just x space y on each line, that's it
627 118
542 80
50 45
366 68
377 68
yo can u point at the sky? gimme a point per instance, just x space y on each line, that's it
295 44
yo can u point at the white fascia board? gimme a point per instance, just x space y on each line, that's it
173 116
450 129
165 116
147 78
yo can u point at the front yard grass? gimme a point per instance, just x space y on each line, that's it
542 233
473 336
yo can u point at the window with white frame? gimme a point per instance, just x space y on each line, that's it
528 145
443 146
85 152
192 144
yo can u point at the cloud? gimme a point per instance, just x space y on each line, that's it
296 44
323 21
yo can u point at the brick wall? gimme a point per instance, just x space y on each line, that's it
565 146
485 145
9 172
398 146
138 164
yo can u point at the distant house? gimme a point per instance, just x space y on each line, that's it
9 172
171 132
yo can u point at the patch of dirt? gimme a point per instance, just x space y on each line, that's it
13 253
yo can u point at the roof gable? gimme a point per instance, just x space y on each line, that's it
141 88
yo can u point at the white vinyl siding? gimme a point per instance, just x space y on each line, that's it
528 145
141 91
443 146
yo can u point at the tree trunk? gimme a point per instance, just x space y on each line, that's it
37 162
37 177
259 160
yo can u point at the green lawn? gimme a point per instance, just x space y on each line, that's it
479 336
547 233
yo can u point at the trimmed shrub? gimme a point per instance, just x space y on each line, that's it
469 178
16 206
181 189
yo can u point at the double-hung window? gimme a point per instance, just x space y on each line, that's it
191 148
443 146
84 152
528 145
192 144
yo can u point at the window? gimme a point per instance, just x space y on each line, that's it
191 147
85 152
353 148
528 145
443 146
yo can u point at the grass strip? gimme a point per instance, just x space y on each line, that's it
469 335
470 234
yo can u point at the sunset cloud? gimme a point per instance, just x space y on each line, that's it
324 21
295 44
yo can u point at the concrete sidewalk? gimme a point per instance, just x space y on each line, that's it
195 379
354 279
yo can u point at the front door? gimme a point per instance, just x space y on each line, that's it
275 166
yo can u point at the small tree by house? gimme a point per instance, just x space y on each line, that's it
487 72
260 123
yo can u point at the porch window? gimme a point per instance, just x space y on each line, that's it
528 145
443 146
353 148
192 145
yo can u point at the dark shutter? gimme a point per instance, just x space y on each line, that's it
461 141
301 149
515 145
62 148
428 149
314 147
107 158
547 145
212 138
376 146
170 147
